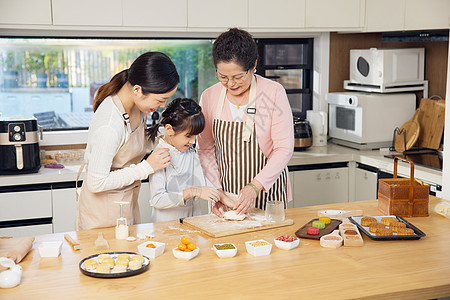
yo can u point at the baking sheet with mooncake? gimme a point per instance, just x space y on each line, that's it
417 232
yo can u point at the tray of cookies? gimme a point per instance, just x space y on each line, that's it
387 228
114 264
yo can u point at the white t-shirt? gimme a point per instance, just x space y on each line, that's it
107 134
237 113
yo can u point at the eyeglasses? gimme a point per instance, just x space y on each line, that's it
236 78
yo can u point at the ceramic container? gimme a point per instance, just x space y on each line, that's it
50 249
287 245
185 255
151 252
225 253
258 250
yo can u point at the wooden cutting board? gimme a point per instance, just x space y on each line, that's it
215 227
431 123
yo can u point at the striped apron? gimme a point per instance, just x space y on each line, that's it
239 157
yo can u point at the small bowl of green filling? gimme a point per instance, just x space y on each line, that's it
225 250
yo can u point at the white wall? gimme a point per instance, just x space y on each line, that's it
446 156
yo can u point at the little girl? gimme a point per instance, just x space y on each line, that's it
175 190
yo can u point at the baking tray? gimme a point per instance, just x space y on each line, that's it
145 266
301 233
417 232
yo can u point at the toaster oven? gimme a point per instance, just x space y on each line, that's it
368 120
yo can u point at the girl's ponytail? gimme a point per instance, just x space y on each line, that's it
110 88
152 132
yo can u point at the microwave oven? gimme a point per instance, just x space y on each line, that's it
367 120
387 67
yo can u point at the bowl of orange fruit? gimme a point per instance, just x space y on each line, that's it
151 249
186 249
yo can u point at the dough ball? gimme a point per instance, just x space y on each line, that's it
232 215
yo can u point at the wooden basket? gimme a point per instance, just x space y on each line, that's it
404 197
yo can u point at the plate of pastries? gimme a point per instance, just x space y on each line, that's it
114 264
387 228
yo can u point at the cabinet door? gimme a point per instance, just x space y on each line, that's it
213 14
144 205
21 231
333 14
155 13
365 185
430 14
25 205
324 186
36 12
88 12
64 209
385 15
285 14
292 180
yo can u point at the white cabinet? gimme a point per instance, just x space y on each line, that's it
144 204
385 15
365 185
35 12
320 186
388 15
217 14
333 14
88 12
64 209
25 205
430 14
21 231
155 13
285 14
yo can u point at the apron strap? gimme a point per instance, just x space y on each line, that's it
251 110
80 170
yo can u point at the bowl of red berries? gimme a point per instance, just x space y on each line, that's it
287 242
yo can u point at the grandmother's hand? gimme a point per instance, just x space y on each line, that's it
246 199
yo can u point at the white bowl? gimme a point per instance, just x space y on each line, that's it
50 249
151 252
258 250
287 245
185 255
225 253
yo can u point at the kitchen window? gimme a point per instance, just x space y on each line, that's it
55 79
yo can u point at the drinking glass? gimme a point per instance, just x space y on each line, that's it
274 211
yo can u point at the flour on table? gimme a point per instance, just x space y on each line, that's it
232 215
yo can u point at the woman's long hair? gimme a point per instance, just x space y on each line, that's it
182 114
154 72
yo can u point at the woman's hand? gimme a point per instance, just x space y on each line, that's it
226 200
218 209
206 193
159 159
247 197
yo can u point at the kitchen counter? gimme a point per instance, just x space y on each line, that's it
414 269
313 155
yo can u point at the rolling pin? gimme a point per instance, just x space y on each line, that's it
74 244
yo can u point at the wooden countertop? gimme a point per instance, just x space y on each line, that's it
415 269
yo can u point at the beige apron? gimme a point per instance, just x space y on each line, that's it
238 154
99 209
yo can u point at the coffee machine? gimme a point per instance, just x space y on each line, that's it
19 145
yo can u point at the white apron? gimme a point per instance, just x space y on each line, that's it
238 154
97 210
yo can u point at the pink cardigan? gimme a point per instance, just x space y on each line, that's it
274 131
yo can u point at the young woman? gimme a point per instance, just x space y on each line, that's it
175 191
117 141
249 136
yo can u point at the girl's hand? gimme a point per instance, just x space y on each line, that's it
218 209
246 199
206 193
159 159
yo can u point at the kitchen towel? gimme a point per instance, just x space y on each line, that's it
15 248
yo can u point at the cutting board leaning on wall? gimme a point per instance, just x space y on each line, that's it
431 121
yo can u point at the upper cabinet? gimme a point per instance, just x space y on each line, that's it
24 12
217 14
333 14
285 14
88 12
385 15
155 13
430 14
398 15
